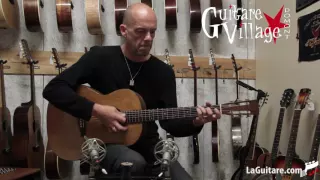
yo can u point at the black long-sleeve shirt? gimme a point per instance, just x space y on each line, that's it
104 68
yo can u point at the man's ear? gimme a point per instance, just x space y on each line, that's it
123 30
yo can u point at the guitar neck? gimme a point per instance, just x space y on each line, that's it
3 93
293 138
252 136
32 84
316 142
216 82
277 135
195 100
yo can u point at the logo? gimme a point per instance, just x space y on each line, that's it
311 169
272 32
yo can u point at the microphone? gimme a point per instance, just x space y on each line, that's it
166 152
93 152
247 86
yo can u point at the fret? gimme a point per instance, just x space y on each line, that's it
316 142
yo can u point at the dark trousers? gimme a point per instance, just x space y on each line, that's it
116 154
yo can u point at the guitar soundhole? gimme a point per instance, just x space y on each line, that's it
11 1
102 8
41 4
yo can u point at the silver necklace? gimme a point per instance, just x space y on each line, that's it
132 78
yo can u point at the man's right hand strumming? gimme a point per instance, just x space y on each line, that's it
110 117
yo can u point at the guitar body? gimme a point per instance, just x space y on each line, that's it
5 138
31 11
119 7
171 11
64 132
195 16
35 147
94 10
236 136
215 19
296 163
64 15
55 167
9 17
215 142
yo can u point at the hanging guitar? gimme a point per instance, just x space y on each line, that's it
171 10
239 13
119 7
236 131
268 159
31 11
29 113
195 16
64 15
55 167
214 124
249 153
292 160
5 124
94 12
216 19
195 140
9 14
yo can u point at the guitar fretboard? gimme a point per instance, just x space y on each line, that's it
293 138
277 135
316 142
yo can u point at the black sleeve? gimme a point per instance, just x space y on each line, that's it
176 127
60 91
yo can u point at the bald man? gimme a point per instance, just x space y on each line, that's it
109 68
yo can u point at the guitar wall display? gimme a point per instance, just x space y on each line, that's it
31 11
64 15
119 7
236 130
214 124
55 167
9 14
195 16
171 10
291 159
195 140
5 124
94 11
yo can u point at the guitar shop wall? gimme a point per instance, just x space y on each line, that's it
178 42
291 62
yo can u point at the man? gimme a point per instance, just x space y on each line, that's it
130 65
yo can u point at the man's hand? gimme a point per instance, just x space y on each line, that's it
110 117
205 114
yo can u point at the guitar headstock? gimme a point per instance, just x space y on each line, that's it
287 98
167 61
235 66
213 61
26 52
303 98
192 62
248 107
2 62
57 59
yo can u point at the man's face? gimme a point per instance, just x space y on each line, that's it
140 34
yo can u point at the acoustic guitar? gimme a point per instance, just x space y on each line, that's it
239 13
291 160
9 17
268 159
216 19
171 10
235 119
5 124
195 16
55 167
249 153
64 15
64 131
31 11
94 10
120 7
29 112
215 131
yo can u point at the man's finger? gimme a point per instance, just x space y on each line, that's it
119 126
218 114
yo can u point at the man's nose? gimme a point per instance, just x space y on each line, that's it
148 36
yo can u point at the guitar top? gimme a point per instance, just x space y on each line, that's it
9 15
31 11
94 10
195 16
64 15
119 8
171 11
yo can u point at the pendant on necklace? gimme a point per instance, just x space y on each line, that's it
131 82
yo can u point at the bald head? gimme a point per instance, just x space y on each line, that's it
138 12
